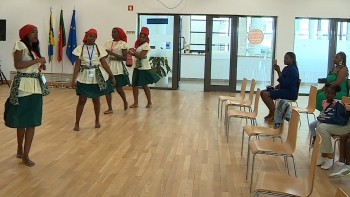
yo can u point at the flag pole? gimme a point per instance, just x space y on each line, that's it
62 86
51 84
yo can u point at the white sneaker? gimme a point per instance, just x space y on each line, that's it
342 172
329 163
320 160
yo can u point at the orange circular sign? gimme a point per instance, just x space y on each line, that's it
255 36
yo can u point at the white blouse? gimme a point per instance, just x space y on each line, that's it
27 85
145 63
117 47
83 76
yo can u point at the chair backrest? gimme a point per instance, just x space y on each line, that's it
243 88
309 184
256 102
299 82
312 99
293 128
249 101
340 193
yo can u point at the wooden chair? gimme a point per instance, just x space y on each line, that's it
245 103
243 114
239 98
259 131
292 101
276 149
284 185
340 193
310 109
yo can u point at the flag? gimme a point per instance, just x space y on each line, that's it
51 38
72 39
61 38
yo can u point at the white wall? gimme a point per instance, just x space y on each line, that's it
105 14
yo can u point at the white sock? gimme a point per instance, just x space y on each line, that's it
340 163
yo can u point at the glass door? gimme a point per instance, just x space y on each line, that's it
218 54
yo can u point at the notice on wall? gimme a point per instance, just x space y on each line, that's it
255 36
130 32
130 8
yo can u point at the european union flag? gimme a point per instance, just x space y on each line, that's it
51 39
72 40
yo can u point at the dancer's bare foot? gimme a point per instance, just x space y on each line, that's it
97 124
149 105
76 127
28 162
19 153
109 111
125 106
134 105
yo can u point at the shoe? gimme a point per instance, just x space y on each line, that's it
312 144
344 170
269 116
320 160
329 163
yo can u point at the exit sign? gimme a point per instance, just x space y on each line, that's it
130 8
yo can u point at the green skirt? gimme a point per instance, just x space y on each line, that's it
25 115
122 80
144 77
93 90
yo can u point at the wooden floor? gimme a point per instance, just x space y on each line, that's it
176 148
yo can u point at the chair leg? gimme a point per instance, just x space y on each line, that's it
252 173
295 167
218 107
296 103
228 128
281 139
286 164
242 142
307 117
248 158
222 102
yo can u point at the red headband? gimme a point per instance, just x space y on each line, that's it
90 31
122 35
25 30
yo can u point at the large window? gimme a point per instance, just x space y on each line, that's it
315 46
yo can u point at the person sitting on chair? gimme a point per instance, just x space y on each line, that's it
287 87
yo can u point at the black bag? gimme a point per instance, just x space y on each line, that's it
334 114
269 88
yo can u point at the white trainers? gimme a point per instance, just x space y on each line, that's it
320 160
345 169
329 162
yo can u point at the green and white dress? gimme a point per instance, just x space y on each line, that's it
92 80
23 109
143 74
116 65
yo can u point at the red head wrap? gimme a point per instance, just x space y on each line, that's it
90 31
122 35
25 30
145 31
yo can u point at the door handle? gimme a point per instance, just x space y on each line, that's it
183 43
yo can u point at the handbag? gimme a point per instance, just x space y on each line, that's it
129 60
334 114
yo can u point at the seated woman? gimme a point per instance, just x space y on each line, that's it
325 160
287 87
338 76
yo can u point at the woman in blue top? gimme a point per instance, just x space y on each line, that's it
287 87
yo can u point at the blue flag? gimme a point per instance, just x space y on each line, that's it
51 39
72 40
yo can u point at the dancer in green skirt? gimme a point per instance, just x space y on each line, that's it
92 77
143 74
23 109
117 52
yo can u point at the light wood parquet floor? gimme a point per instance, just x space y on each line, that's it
176 148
